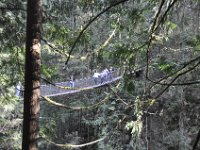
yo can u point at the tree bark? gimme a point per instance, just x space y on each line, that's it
32 76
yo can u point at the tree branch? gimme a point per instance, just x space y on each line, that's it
151 31
184 66
54 84
165 14
184 72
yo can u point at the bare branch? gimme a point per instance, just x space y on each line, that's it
151 30
54 84
184 72
54 48
165 14
173 73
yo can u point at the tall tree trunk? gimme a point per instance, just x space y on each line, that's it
32 76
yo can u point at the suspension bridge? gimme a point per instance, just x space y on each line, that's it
63 88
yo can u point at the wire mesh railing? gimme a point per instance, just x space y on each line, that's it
62 88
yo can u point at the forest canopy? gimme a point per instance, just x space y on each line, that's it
147 99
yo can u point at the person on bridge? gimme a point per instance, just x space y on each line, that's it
104 75
110 74
18 89
71 82
96 77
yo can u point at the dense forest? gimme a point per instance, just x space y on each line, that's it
147 99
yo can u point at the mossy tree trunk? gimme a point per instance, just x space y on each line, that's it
32 76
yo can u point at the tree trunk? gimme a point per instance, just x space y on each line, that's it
32 76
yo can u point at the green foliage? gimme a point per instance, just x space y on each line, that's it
164 65
8 100
129 85
58 34
62 23
97 122
14 142
48 126
171 25
194 42
136 126
10 122
49 72
122 54
85 38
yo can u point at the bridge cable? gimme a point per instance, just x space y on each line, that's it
74 108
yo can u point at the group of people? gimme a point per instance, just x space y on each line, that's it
103 76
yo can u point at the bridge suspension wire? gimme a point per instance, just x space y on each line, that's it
72 145
53 102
